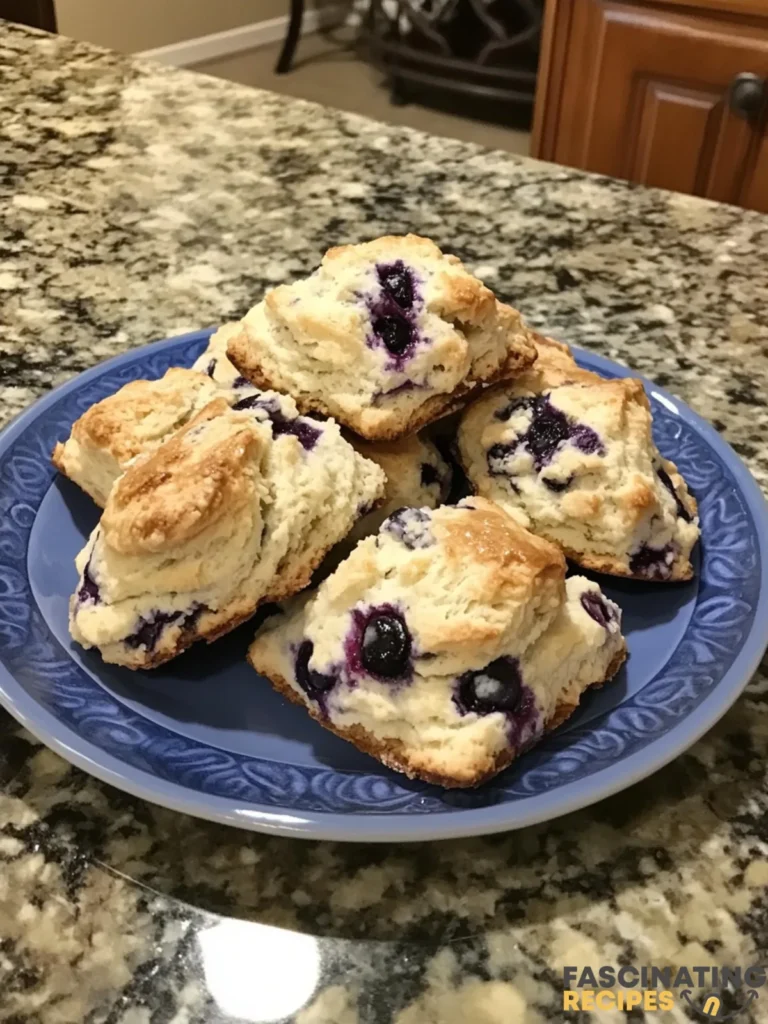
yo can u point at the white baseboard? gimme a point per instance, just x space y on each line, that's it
235 40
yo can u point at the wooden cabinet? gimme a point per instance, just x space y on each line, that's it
644 91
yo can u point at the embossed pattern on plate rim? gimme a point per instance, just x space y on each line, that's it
69 712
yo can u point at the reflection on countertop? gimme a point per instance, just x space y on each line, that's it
140 202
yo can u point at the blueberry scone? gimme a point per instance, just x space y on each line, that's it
577 464
416 473
236 508
214 362
385 336
445 645
136 419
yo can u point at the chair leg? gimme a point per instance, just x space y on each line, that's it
291 38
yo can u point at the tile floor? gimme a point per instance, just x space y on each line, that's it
327 70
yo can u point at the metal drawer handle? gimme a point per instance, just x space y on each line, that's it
747 95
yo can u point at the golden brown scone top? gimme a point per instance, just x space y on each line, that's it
205 471
122 423
505 557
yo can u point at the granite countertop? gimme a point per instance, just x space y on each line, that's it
140 202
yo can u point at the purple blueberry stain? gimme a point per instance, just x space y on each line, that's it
499 687
240 382
315 684
549 430
151 626
586 440
392 313
211 368
379 644
89 588
682 511
397 283
396 332
595 606
298 426
411 526
653 563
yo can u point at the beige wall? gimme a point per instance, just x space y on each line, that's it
132 25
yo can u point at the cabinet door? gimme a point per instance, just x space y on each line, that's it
642 93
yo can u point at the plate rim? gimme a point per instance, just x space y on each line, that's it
394 827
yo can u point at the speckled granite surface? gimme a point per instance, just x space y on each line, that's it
139 202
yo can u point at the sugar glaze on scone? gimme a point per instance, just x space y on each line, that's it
577 464
237 508
133 421
416 473
445 645
385 336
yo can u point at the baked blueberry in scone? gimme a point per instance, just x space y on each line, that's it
385 336
445 645
236 509
577 464
416 473
136 419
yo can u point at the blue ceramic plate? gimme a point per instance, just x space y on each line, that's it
205 735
